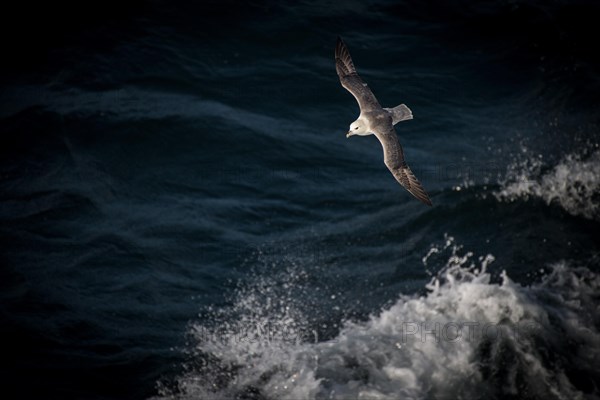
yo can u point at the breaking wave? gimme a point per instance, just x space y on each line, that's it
471 333
574 183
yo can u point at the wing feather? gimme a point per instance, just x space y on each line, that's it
393 157
350 79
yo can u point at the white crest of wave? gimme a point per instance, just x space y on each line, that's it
574 184
495 339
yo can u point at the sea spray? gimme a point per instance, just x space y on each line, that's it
468 336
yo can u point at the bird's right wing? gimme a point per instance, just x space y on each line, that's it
393 157
350 79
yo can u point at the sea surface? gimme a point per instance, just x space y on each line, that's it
182 216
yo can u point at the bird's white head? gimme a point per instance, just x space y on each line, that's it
358 127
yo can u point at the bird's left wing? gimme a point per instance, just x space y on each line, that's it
393 157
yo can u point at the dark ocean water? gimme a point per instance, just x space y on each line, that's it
182 216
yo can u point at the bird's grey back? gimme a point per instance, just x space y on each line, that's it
379 120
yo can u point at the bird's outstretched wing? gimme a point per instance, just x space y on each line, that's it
393 157
351 81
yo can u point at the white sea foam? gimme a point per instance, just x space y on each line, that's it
492 340
574 183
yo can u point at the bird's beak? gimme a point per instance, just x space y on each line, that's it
348 134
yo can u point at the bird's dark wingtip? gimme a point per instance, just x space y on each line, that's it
423 197
339 44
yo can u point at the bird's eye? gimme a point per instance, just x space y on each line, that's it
356 128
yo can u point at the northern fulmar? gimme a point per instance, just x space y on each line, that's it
378 121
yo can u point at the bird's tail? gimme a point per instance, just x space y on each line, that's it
400 113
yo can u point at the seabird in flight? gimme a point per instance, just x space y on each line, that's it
378 121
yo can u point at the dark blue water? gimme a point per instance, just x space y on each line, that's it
182 216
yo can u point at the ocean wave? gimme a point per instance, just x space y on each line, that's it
467 336
573 183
